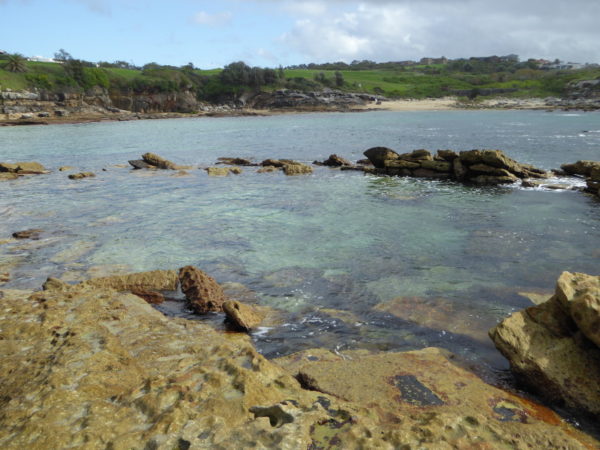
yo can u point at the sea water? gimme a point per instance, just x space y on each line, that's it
342 260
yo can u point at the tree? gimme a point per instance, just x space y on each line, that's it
62 55
15 63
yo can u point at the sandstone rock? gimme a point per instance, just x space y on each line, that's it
595 174
65 168
202 292
547 348
241 316
33 233
235 170
297 169
438 166
458 169
276 162
400 164
159 162
79 176
156 280
494 158
235 161
7 176
267 169
417 155
140 164
4 277
583 168
152 297
431 402
378 155
23 168
335 161
217 171
447 155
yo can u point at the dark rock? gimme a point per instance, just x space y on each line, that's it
427 173
140 164
493 180
401 164
438 166
417 155
54 284
277 162
378 155
235 161
336 161
364 162
33 233
203 293
447 155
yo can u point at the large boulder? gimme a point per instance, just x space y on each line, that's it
202 292
583 167
378 156
553 347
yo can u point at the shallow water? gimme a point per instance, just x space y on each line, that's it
327 252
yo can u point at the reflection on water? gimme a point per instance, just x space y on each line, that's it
342 260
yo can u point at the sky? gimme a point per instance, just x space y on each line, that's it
270 33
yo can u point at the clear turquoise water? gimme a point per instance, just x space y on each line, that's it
331 240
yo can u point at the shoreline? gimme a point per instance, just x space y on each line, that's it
404 105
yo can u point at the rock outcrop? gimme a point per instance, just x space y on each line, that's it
429 401
297 169
155 280
588 169
235 161
553 348
473 166
159 162
333 161
202 292
241 316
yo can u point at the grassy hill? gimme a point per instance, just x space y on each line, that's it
417 81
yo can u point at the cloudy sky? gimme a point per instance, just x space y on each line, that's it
273 32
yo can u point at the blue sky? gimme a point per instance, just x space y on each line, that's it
274 32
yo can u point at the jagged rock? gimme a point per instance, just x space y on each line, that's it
152 297
297 169
235 161
65 168
79 176
583 168
496 158
202 292
156 280
267 169
427 392
217 171
378 156
33 233
334 161
159 162
140 164
23 168
548 347
241 316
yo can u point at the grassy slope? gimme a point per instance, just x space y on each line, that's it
413 83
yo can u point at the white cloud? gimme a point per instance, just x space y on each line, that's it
212 20
404 29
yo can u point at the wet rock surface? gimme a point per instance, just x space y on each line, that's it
334 161
33 233
23 168
590 170
79 176
241 316
553 348
297 169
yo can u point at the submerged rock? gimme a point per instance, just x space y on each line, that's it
235 161
79 176
138 164
66 168
242 316
7 176
152 297
159 162
268 169
217 171
553 347
33 233
202 292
